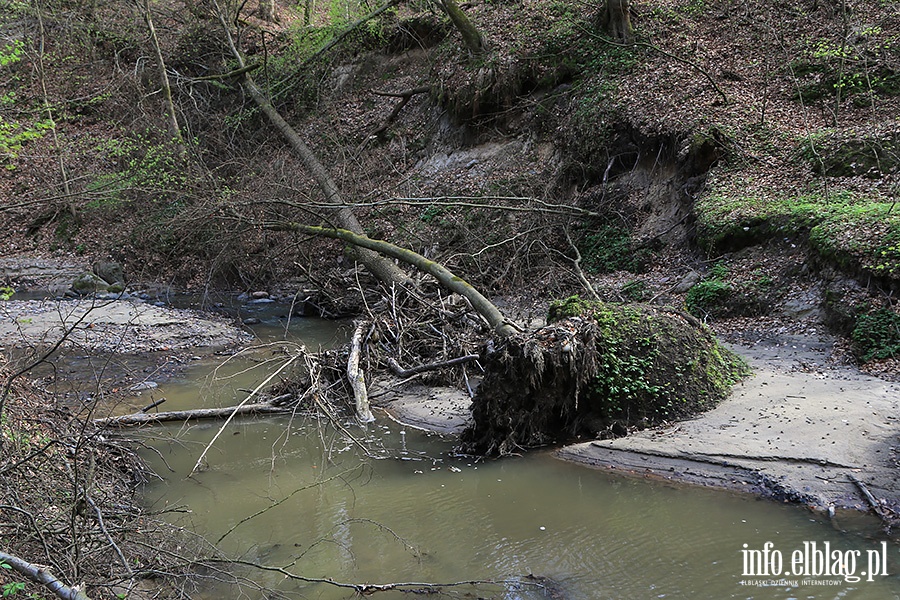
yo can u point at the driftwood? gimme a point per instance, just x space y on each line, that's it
153 405
185 415
356 377
876 506
41 575
401 372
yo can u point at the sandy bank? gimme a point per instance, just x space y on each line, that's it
798 430
124 327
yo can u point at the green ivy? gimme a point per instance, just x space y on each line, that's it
877 335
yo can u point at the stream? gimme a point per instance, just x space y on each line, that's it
414 511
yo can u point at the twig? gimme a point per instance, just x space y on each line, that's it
154 405
401 372
285 499
873 503
405 97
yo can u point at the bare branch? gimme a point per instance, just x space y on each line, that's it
41 575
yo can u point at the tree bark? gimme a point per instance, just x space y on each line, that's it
401 372
617 20
357 377
451 282
386 271
472 38
39 574
185 415
267 11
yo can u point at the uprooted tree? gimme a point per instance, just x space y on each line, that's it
604 370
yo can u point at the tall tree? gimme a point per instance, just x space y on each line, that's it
472 38
267 11
171 118
617 20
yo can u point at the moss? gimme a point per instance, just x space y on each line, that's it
838 155
709 297
636 290
608 248
603 368
860 233
573 306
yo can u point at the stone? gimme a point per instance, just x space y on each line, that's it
144 385
89 283
687 282
110 272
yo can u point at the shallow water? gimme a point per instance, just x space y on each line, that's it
417 513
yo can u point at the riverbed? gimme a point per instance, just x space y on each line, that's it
389 503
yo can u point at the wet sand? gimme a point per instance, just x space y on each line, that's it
798 430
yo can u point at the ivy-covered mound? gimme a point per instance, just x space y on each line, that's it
596 370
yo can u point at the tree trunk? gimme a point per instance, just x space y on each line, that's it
482 305
143 418
386 271
40 574
617 20
357 377
171 119
267 11
472 38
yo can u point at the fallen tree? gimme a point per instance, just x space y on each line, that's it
42 575
597 371
142 418
484 307
386 271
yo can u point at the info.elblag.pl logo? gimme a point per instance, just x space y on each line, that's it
816 560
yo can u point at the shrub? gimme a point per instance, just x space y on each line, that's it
877 335
708 298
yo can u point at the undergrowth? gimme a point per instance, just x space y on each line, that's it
877 335
851 230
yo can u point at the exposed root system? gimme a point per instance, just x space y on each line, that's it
597 374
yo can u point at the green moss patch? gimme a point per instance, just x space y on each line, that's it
840 155
860 233
597 370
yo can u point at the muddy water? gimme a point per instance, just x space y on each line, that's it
414 512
